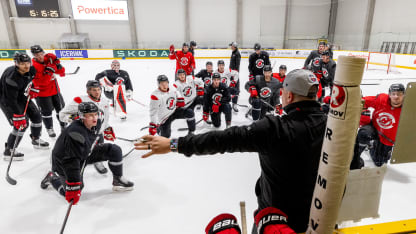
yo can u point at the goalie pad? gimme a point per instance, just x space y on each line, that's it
120 101
106 84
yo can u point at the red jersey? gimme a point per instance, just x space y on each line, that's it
385 117
278 77
48 85
184 61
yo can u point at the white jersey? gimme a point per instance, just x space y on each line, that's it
187 89
162 105
71 110
225 77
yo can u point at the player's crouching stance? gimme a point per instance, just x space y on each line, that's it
72 151
217 100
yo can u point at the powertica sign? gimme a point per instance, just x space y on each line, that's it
140 53
100 10
6 54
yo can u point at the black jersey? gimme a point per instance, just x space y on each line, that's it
13 87
312 58
327 70
113 75
216 95
256 63
268 91
205 76
235 60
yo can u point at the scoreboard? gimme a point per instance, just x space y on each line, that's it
38 8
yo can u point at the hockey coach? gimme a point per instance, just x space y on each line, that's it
289 148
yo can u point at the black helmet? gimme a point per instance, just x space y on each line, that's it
21 58
257 46
283 67
36 49
397 88
93 84
185 44
267 68
322 43
86 107
161 78
216 75
326 53
181 71
220 62
208 63
193 43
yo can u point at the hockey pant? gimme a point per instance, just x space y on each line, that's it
259 108
379 152
101 152
216 117
180 113
32 114
47 105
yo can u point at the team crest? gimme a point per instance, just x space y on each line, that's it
224 80
259 63
385 120
207 81
216 98
325 72
316 62
184 61
265 92
171 103
187 91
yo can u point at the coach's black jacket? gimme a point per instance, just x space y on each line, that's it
72 149
289 150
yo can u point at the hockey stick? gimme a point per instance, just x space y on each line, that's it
127 154
243 217
240 105
82 173
74 72
197 122
125 139
143 128
9 179
139 102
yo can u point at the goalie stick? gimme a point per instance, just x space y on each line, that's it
139 102
72 73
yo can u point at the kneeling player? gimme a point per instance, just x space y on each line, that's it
162 105
264 94
76 147
117 87
217 101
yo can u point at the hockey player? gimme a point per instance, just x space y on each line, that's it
50 98
76 147
16 92
383 127
184 59
217 101
324 68
264 93
115 77
192 47
257 60
235 70
206 74
70 113
282 73
230 82
315 54
163 106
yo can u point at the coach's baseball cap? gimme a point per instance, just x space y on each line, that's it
233 44
299 81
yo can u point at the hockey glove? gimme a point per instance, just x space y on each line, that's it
50 69
200 90
233 84
153 129
19 121
250 77
216 108
180 102
224 224
271 220
279 109
205 116
327 99
32 91
253 91
172 49
129 94
109 134
119 81
74 117
73 191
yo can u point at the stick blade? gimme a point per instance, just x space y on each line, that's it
10 180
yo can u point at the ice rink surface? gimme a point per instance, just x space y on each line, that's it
172 193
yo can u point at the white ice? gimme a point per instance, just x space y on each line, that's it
173 193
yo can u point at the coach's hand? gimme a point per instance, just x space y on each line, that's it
156 145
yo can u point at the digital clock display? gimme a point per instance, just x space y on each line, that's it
38 8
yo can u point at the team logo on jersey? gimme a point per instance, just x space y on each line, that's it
316 62
325 72
216 98
171 103
265 92
207 81
187 91
224 80
184 61
259 63
338 96
385 120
